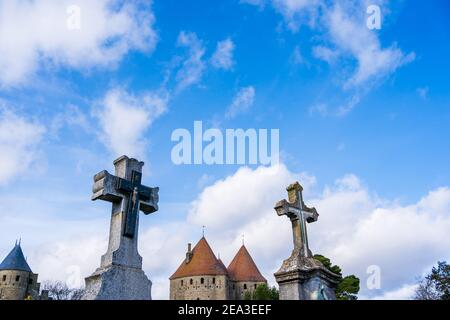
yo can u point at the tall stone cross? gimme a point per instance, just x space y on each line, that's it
128 196
296 210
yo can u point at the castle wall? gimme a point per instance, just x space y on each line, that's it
13 284
192 288
18 285
238 289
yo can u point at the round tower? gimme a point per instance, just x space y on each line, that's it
201 276
244 275
17 281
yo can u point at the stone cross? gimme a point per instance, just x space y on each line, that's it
128 196
296 210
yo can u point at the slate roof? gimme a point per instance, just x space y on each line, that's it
203 262
15 260
243 268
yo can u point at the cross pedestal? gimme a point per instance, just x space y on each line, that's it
301 277
120 276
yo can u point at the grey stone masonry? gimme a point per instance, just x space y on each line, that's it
301 277
120 276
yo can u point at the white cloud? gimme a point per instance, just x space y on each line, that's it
351 36
297 12
204 180
243 204
325 53
243 100
72 116
355 229
193 66
124 118
69 260
19 143
344 37
34 34
406 292
223 56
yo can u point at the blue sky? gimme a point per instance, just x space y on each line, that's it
378 117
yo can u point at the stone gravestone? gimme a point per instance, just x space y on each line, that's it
120 276
301 277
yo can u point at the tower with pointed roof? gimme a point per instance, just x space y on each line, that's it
17 281
203 276
244 274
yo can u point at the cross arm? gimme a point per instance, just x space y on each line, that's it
311 213
149 199
283 208
105 187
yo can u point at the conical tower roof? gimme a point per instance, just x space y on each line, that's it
203 262
222 265
243 268
15 260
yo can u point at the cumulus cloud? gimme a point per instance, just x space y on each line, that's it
356 229
69 260
250 196
19 143
124 118
77 34
193 67
223 56
243 100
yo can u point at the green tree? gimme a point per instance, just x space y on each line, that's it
263 292
348 287
436 285
247 295
275 293
327 264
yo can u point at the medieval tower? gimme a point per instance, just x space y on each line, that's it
244 275
17 281
202 276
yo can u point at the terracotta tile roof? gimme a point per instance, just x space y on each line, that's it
203 262
243 268
221 263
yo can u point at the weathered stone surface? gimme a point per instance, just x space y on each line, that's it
118 283
301 277
304 278
120 276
